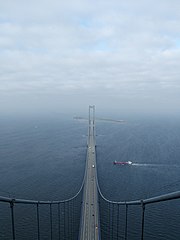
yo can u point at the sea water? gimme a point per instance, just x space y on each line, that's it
153 147
44 159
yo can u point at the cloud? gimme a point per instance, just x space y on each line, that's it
76 50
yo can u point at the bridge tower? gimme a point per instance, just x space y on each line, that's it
91 128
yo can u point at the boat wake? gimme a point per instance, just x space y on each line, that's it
154 165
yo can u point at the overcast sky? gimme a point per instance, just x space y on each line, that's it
58 54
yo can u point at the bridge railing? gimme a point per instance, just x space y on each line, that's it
112 212
51 220
63 222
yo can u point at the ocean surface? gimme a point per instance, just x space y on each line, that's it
44 159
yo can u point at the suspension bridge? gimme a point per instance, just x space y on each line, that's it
86 216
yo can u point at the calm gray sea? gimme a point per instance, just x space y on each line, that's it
44 159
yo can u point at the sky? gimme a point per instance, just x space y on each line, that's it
60 56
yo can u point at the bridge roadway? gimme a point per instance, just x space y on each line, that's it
90 212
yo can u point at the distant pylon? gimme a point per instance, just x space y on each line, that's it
91 120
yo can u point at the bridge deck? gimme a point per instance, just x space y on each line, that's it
90 213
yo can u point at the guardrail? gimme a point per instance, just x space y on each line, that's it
141 202
65 210
65 214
